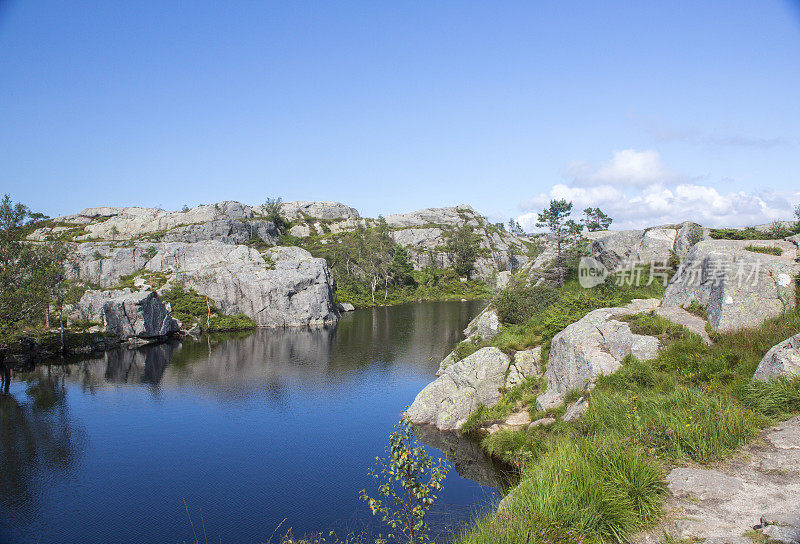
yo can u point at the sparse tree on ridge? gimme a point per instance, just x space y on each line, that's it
555 219
273 213
594 219
514 227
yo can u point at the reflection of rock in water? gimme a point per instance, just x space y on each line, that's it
465 455
143 365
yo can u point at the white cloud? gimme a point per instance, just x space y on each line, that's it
627 167
640 191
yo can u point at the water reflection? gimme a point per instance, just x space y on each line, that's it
38 440
248 427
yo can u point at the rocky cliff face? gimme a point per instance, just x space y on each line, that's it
280 287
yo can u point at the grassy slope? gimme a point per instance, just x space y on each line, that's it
602 477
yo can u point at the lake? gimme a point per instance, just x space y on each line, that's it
254 435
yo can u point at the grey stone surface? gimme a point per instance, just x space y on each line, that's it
577 409
782 360
448 401
90 306
138 315
346 307
228 231
618 248
281 287
317 210
738 288
591 347
680 316
723 502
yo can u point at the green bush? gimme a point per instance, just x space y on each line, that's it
768 250
518 302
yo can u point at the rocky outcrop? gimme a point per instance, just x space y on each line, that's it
485 326
594 346
481 378
423 234
139 315
279 288
328 211
284 287
783 360
616 249
754 495
90 306
227 231
434 216
737 287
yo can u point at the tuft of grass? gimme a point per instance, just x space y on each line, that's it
524 394
651 324
517 448
588 488
777 398
768 250
696 309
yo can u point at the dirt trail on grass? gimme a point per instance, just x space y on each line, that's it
731 501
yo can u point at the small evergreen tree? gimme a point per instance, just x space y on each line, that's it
594 219
514 227
273 213
554 219
401 269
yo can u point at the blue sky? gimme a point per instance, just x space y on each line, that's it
657 111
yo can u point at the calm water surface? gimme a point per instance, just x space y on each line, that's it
251 432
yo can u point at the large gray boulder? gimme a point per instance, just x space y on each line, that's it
617 249
783 360
594 346
282 287
139 315
90 306
448 401
486 325
737 287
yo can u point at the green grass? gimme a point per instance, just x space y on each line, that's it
651 324
693 403
775 232
590 490
524 394
767 250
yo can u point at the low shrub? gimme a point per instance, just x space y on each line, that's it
518 302
767 250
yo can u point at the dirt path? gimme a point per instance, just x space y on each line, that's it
727 502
